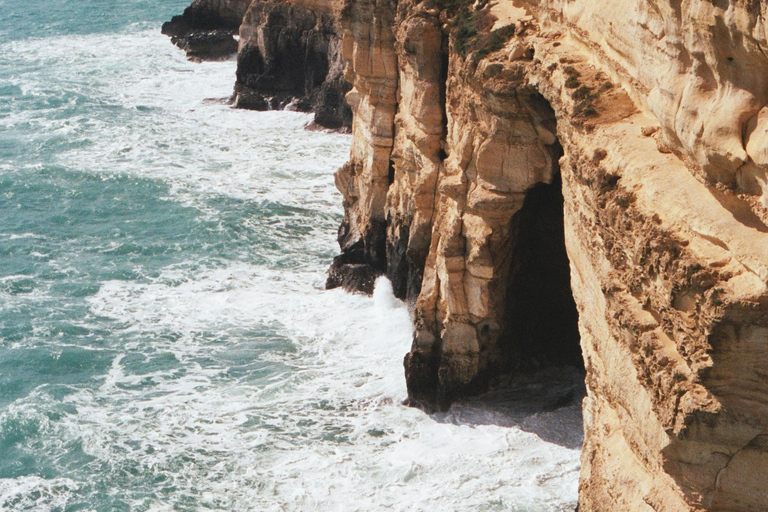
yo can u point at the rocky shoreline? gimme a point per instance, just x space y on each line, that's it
288 54
548 184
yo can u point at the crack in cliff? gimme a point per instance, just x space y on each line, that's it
752 443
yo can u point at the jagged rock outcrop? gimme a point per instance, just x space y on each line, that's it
288 54
207 28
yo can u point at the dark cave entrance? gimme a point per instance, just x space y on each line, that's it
540 367
540 317
540 314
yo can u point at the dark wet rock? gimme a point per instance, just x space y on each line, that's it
361 261
207 29
290 57
352 277
213 45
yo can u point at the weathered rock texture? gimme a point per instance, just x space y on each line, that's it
288 55
648 118
368 48
206 29
563 183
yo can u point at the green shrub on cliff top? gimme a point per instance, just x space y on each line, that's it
466 30
451 7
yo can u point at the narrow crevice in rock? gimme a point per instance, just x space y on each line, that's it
423 61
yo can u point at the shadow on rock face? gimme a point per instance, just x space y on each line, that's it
546 403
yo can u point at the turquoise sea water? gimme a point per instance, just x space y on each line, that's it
165 341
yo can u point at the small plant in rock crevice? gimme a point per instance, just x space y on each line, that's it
469 29
715 297
572 82
464 25
450 7
605 87
495 42
624 200
584 94
581 93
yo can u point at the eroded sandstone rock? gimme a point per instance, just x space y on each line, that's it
290 56
368 48
663 226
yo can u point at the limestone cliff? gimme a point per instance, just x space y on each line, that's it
368 48
567 182
647 118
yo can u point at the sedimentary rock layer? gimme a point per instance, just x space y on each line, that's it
646 117
368 47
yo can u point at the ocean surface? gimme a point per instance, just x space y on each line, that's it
165 340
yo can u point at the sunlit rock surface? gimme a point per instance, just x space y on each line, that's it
558 183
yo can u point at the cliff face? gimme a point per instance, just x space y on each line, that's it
288 54
698 67
539 155
368 48
206 29
552 183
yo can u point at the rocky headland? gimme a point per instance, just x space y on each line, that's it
207 28
288 53
556 183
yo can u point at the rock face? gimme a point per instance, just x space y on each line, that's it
551 183
288 55
531 175
368 48
206 29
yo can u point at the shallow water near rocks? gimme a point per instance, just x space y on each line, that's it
165 339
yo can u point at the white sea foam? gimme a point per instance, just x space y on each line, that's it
358 448
194 144
36 493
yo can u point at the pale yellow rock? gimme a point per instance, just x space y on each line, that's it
662 183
